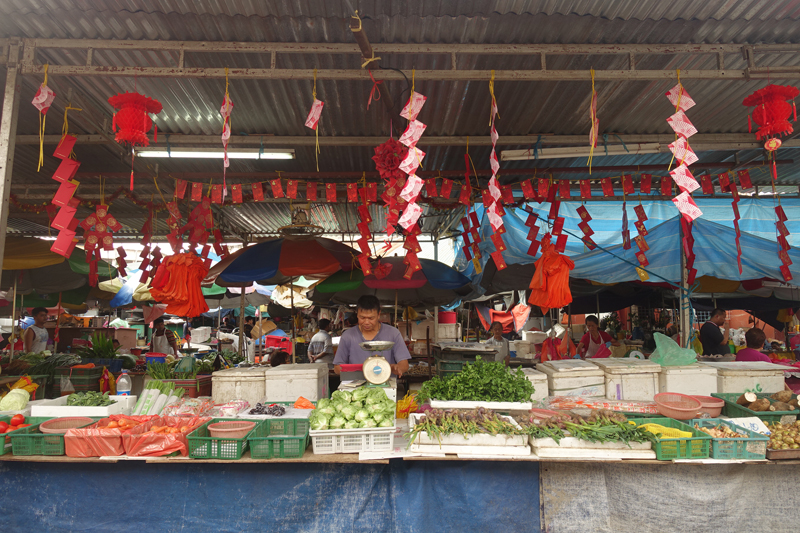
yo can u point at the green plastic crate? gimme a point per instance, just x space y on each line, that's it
203 446
41 380
695 447
8 440
456 366
30 441
734 410
284 438
637 416
754 446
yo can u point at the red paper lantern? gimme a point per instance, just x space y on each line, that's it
133 118
772 110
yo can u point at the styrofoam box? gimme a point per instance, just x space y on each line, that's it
694 379
286 383
630 379
523 349
748 375
497 406
58 408
478 439
539 381
249 384
574 377
419 331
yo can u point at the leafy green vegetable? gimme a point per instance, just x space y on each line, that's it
370 423
337 422
351 424
479 381
102 347
324 402
16 400
89 399
359 394
349 412
386 423
362 415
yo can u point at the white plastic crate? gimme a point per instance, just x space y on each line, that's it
353 440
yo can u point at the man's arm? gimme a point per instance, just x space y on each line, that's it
400 368
342 354
174 343
27 340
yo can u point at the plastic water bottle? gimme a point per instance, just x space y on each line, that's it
124 384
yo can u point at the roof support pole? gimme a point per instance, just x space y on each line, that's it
8 134
369 55
685 318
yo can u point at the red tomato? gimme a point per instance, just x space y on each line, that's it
23 426
3 427
17 420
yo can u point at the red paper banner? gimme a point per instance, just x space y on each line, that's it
724 182
586 189
330 192
498 242
352 192
258 192
430 188
640 228
666 186
464 195
561 243
608 187
706 184
527 190
542 185
499 262
586 229
744 179
508 194
563 189
583 213
216 194
645 184
590 244
277 188
533 249
447 187
311 191
197 192
558 225
180 188
291 189
236 193
532 219
639 210
627 184
533 233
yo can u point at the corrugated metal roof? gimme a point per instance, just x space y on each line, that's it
191 106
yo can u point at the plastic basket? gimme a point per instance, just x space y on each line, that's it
284 438
203 446
353 440
679 406
734 410
40 380
59 426
233 429
31 441
694 447
7 442
754 446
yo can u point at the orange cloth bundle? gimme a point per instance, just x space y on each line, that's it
177 284
550 283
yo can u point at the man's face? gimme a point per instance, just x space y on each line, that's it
718 319
368 319
40 317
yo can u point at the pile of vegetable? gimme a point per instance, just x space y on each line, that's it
488 381
122 424
46 366
272 410
720 431
156 396
784 436
601 426
437 423
362 408
782 401
89 399
102 347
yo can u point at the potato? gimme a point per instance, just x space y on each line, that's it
747 398
780 406
759 405
794 404
782 396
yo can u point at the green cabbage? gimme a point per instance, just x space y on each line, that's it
329 410
319 423
360 393
358 405
386 423
370 423
337 422
323 403
372 400
379 394
362 415
349 412
378 416
341 406
342 395
351 424
16 400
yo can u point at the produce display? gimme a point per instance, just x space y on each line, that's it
438 423
601 426
16 397
272 410
480 381
782 401
17 422
362 408
155 396
721 432
784 436
101 347
89 399
121 424
407 405
418 370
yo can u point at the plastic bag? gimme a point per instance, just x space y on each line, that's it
602 353
669 353
97 440
66 385
189 406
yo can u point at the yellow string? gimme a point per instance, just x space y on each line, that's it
65 127
359 22
494 100
594 133
155 180
413 74
102 191
677 108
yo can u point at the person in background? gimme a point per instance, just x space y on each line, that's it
187 331
320 349
116 344
279 358
35 338
754 338
593 339
249 324
713 334
350 322
164 340
499 343
672 333
370 328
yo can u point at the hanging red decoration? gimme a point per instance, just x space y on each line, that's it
772 111
132 121
388 157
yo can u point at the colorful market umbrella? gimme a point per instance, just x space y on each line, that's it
435 284
279 261
56 277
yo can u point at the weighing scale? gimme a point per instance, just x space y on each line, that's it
375 370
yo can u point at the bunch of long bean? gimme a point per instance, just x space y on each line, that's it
437 423
601 426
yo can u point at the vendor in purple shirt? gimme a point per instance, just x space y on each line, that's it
370 329
754 338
